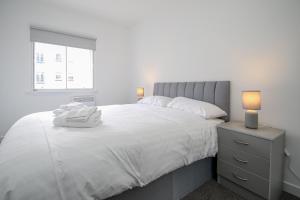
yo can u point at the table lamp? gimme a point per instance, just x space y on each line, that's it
140 92
251 100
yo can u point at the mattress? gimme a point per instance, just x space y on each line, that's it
134 145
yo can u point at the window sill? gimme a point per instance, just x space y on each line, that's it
69 91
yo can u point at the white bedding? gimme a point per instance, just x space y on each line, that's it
134 145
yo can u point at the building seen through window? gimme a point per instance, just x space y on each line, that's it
62 67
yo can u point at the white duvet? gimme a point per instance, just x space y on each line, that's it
134 145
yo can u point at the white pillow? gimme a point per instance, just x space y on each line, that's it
204 109
156 100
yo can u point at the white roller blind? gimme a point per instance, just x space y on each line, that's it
64 39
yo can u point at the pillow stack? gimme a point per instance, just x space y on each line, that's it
204 109
201 108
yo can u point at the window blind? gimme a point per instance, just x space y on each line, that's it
64 39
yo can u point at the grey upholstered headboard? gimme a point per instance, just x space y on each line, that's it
215 92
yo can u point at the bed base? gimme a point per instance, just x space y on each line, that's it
173 186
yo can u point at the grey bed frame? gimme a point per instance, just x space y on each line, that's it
179 183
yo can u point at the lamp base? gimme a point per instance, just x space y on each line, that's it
251 119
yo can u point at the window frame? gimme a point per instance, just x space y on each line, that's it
65 90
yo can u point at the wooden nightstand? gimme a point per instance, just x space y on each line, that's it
250 161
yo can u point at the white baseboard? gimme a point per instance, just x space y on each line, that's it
291 188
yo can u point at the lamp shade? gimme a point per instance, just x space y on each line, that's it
140 92
251 99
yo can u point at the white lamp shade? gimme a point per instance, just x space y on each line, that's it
140 92
251 100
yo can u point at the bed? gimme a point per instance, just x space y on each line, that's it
139 152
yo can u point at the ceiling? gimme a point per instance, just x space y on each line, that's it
127 12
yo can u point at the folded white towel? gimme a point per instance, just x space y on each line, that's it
58 111
84 118
68 107
77 115
80 114
93 120
71 106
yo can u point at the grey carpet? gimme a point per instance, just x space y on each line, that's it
211 190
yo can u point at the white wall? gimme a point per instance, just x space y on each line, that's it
112 58
255 44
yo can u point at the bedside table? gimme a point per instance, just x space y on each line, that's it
250 161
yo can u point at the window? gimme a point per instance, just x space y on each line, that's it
62 67
61 62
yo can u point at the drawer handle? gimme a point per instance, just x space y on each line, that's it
240 160
240 178
241 142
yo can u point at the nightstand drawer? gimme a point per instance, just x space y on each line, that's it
243 178
243 142
251 163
